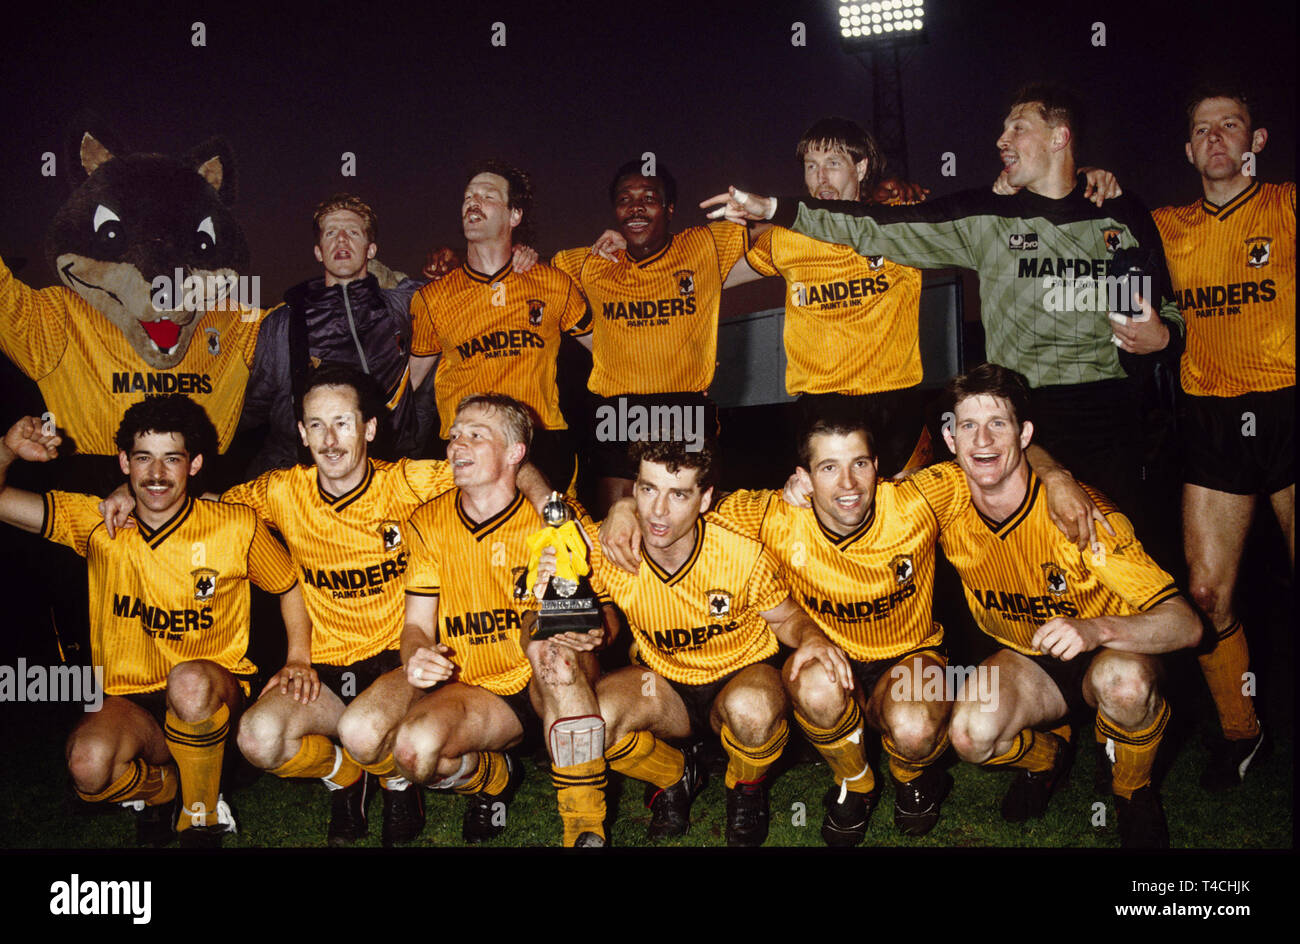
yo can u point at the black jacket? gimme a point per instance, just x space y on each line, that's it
366 326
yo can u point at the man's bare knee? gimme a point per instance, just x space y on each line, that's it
974 733
1124 689
261 739
1207 596
815 695
417 748
753 712
191 691
90 762
555 665
362 734
911 728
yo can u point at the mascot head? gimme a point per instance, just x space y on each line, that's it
149 240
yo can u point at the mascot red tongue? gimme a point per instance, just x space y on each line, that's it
163 333
118 328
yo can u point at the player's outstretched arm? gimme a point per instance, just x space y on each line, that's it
620 536
33 440
297 678
424 658
1068 505
1165 627
740 207
796 629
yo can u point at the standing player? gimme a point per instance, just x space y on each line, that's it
467 691
1043 255
1075 627
1232 261
168 617
706 611
491 327
655 317
851 321
342 316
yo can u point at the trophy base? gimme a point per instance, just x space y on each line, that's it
574 615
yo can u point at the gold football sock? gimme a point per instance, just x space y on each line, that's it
1225 668
842 746
904 769
1135 751
384 767
580 795
320 758
141 781
750 764
198 748
490 776
1031 750
645 757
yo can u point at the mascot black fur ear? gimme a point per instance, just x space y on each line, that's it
89 144
215 163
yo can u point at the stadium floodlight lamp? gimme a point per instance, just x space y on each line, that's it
867 26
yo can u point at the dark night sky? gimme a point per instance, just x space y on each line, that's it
718 93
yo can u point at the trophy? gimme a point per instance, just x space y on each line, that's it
569 604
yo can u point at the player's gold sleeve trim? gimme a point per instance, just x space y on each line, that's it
1168 593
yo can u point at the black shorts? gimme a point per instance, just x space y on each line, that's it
699 699
1095 431
1068 677
528 717
896 419
1241 445
691 416
867 674
362 674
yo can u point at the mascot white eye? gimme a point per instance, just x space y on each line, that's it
104 218
110 236
206 236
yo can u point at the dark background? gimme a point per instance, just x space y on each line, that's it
716 91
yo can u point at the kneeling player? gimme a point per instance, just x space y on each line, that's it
463 637
168 618
342 518
1076 627
706 609
861 558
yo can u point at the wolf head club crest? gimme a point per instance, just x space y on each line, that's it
536 309
1055 578
1258 251
205 583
